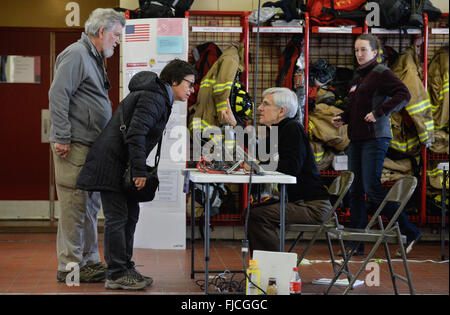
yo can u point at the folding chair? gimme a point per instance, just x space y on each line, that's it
400 193
339 187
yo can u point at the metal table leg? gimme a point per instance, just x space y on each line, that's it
282 216
193 271
192 229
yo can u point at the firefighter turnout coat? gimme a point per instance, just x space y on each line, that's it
409 131
215 88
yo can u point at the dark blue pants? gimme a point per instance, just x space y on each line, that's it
121 217
365 160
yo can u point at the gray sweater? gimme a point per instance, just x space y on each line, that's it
79 104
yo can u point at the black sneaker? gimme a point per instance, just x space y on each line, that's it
129 281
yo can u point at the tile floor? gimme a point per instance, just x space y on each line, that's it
28 266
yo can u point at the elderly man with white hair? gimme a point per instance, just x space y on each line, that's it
308 200
80 109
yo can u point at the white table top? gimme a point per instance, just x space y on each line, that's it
238 178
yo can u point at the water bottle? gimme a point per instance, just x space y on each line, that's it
254 275
295 286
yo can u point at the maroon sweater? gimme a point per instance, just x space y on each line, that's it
376 89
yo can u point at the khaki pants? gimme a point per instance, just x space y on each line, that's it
264 221
77 239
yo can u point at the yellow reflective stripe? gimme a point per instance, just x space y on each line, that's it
434 172
207 83
222 87
445 77
318 156
436 127
221 106
311 126
412 142
217 90
429 125
419 107
423 136
205 124
230 143
198 123
443 91
210 81
403 146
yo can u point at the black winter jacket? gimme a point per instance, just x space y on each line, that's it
146 111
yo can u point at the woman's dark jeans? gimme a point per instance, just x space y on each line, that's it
365 160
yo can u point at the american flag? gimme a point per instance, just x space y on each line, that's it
137 33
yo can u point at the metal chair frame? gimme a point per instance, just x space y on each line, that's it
400 193
339 187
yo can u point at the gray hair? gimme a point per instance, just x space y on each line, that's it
284 98
106 18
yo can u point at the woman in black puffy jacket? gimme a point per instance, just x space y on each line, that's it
146 111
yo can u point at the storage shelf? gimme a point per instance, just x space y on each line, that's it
336 30
335 45
278 29
439 31
380 31
216 29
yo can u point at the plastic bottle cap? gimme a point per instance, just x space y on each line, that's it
253 262
295 269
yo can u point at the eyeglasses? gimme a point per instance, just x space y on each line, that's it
191 84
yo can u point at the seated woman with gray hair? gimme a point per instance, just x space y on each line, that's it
308 200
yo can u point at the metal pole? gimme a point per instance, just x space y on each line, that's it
207 211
